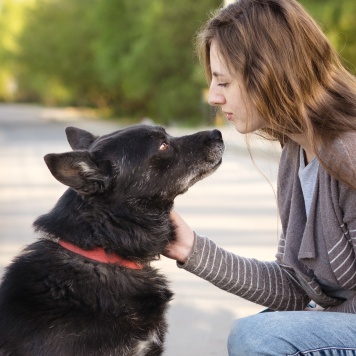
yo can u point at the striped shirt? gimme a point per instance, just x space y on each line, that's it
324 244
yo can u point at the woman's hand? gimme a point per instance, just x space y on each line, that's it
181 248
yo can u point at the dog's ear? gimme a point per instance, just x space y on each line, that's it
78 170
79 139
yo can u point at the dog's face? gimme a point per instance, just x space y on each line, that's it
138 162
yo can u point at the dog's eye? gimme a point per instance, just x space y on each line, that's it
163 146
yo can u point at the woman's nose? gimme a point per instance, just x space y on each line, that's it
215 98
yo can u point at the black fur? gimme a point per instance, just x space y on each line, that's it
122 186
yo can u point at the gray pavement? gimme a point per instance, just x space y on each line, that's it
236 207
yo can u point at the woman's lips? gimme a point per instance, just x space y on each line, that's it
228 115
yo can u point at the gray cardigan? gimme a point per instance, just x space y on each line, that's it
315 257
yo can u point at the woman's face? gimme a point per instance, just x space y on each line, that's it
227 91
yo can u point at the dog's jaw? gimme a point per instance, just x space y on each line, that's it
190 181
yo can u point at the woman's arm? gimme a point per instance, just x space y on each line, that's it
265 283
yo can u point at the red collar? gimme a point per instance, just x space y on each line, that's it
99 254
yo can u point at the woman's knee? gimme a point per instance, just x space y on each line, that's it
286 333
255 335
242 337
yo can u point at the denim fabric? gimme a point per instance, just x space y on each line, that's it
307 333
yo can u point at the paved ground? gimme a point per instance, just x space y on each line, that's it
236 207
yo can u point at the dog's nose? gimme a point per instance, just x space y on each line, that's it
216 135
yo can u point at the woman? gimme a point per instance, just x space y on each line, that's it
272 71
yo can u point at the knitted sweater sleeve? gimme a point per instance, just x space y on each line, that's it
345 198
265 283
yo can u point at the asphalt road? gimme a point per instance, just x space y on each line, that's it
236 207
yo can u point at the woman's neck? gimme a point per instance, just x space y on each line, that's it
305 144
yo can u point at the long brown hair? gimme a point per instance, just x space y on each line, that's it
290 71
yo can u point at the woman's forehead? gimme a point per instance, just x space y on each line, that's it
218 65
221 65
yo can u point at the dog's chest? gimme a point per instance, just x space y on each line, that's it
143 346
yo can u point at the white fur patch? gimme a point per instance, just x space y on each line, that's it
85 168
143 346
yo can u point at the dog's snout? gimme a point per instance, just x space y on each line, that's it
215 135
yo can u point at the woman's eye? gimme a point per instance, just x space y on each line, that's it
163 146
224 85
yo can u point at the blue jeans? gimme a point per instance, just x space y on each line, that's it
311 333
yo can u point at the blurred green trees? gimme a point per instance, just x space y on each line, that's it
337 18
56 63
11 14
135 57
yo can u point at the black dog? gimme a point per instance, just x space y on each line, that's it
86 287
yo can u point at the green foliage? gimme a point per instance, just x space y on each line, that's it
56 63
152 63
135 56
11 12
337 19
